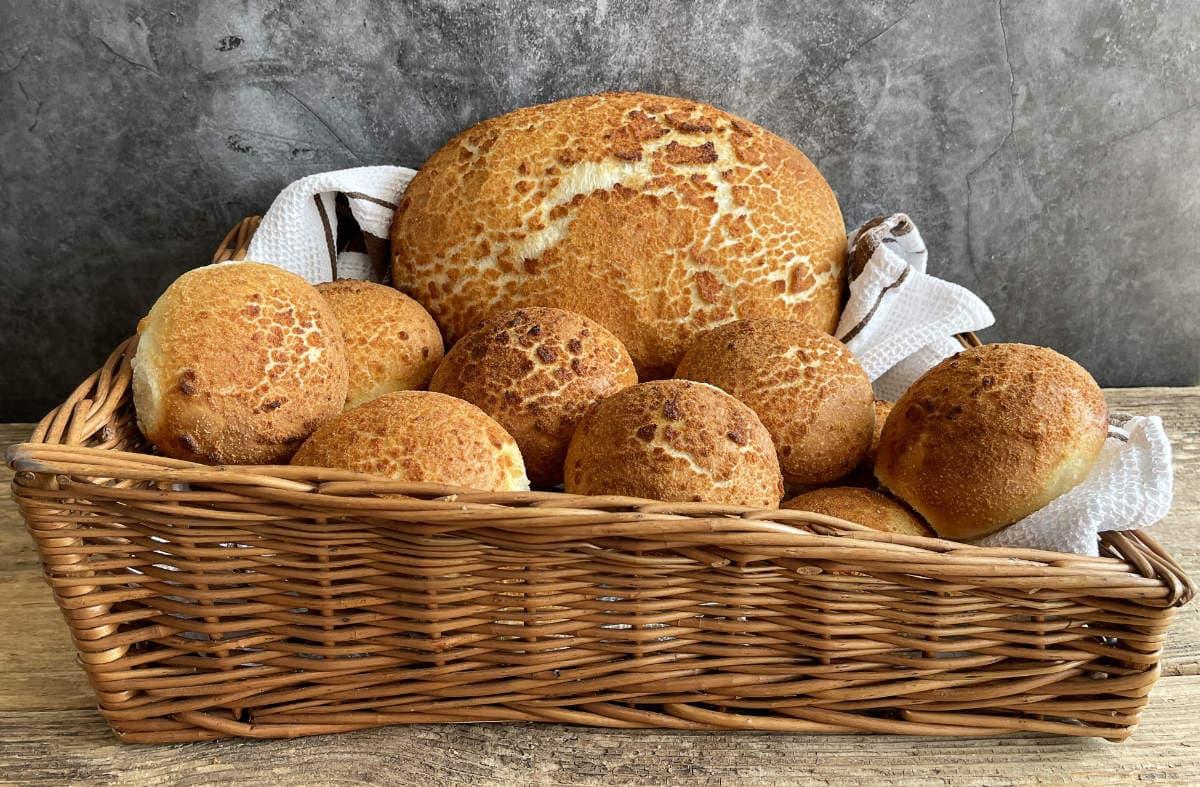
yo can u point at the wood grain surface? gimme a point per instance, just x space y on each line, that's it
51 734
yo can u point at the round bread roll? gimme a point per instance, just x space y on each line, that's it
536 371
237 363
862 506
807 388
419 436
991 435
392 344
657 217
676 441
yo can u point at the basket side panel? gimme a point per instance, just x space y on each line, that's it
207 615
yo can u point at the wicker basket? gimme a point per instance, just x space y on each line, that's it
273 602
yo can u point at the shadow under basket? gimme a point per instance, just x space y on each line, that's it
273 602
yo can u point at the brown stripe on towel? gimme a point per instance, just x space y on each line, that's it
379 251
850 334
369 198
329 243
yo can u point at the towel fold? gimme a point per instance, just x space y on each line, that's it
299 232
899 321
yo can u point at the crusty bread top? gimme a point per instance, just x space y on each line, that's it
674 440
809 391
237 363
536 371
392 344
862 506
419 436
657 217
990 436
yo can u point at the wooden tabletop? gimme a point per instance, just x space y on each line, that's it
50 732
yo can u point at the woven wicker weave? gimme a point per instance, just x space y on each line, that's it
282 601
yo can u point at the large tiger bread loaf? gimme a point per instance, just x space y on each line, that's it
657 217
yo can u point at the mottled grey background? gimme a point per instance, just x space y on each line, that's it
1048 150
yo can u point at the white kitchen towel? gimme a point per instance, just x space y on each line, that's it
899 321
299 232
1130 487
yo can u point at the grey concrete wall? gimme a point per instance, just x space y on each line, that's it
1048 150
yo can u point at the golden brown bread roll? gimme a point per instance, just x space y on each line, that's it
990 436
657 217
237 363
392 344
809 391
536 371
862 506
674 440
419 436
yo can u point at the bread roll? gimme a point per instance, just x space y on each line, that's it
419 436
807 388
657 217
990 436
674 440
536 371
392 344
862 506
237 363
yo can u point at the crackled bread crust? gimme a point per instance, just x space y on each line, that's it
419 436
536 371
862 506
237 363
657 217
991 435
392 344
810 392
674 440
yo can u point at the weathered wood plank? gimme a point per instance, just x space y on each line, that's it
16 548
37 660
